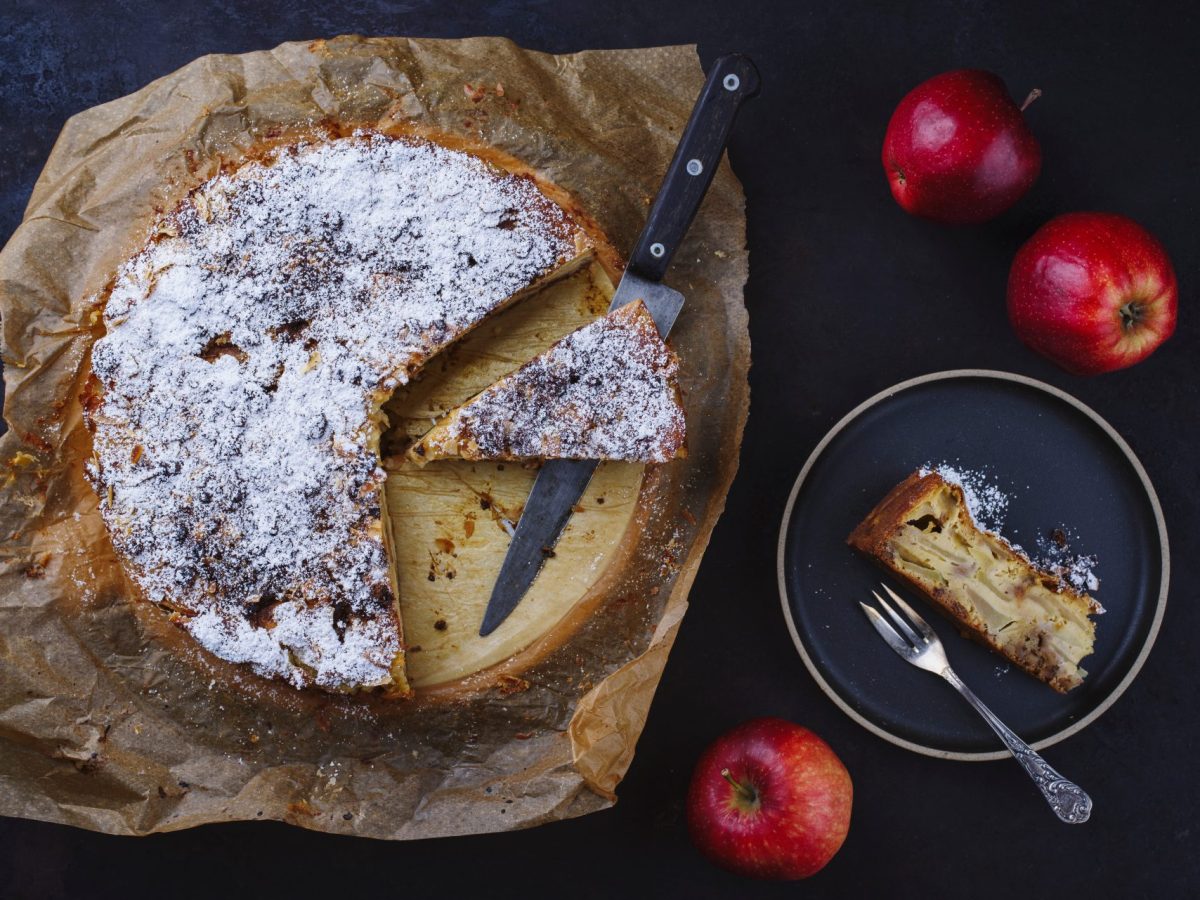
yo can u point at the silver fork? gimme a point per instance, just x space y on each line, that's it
924 650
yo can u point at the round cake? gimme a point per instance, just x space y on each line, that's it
236 393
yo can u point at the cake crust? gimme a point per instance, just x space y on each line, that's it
923 533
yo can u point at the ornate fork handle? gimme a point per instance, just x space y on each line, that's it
1068 800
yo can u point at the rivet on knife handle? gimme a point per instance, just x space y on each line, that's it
732 80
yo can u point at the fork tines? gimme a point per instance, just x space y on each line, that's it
911 637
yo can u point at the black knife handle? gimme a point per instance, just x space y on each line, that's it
732 80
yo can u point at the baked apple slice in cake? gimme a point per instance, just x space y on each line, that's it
609 390
923 532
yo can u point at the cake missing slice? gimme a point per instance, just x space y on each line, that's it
607 391
235 397
923 532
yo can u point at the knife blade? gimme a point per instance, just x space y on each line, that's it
732 80
558 486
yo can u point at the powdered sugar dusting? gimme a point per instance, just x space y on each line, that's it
1054 554
248 347
607 391
988 505
985 501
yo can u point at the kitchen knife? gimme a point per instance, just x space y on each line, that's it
732 80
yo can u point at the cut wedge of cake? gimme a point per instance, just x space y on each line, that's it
607 391
923 532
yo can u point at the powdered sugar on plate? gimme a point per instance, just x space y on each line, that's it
1055 555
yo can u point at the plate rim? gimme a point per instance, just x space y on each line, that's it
1122 445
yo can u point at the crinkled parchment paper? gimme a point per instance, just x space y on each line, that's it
110 719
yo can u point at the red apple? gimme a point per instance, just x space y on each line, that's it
958 150
1093 291
769 799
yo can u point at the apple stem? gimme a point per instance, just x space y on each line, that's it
1033 95
747 793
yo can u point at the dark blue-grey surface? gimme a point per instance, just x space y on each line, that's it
847 295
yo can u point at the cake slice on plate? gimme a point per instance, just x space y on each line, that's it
923 532
607 391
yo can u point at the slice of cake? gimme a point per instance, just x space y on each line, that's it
607 391
923 532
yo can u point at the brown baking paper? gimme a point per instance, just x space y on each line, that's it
110 718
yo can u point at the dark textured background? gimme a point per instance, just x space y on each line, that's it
847 295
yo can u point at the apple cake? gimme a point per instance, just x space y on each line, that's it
609 390
923 532
235 396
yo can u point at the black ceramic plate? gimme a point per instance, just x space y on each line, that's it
1060 464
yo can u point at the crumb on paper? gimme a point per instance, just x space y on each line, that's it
511 684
